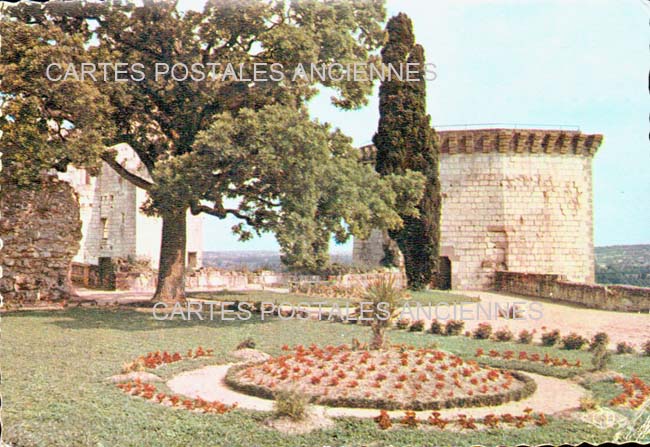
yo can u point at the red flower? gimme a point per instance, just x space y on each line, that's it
383 420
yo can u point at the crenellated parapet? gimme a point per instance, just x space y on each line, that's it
512 200
513 141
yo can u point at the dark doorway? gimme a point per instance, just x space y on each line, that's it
192 260
444 274
106 274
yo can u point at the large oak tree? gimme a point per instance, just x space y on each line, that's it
208 141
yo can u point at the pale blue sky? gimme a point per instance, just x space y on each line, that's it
568 62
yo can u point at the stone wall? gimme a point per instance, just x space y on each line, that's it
557 288
517 200
137 278
41 230
365 279
113 224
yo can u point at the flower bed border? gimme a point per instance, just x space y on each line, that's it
388 404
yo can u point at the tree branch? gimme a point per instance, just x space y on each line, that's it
124 173
221 213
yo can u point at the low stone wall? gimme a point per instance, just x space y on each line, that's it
556 287
364 279
139 280
41 230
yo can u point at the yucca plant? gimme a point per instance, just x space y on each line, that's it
385 297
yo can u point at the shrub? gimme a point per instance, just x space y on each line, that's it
525 337
436 327
402 323
504 334
551 338
588 403
601 338
600 357
624 348
417 326
383 420
248 343
290 403
483 331
574 341
454 327
645 348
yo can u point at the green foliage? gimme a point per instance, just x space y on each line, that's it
483 331
405 141
599 339
308 183
574 341
551 338
600 357
46 125
162 119
503 334
290 403
624 348
454 327
402 323
623 264
384 297
525 337
247 343
436 327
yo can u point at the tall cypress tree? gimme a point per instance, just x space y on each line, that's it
405 141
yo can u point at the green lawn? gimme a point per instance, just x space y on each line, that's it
55 394
427 297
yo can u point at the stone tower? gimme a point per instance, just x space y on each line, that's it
512 199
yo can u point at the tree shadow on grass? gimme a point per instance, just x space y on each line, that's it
130 320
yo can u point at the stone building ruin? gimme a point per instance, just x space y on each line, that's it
113 225
512 200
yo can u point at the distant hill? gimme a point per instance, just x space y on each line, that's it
256 259
623 264
619 264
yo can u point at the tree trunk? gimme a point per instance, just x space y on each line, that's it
171 268
378 336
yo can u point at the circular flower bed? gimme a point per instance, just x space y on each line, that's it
397 378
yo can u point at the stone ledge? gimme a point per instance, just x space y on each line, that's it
556 287
510 141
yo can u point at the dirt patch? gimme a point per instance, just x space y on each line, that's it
142 376
250 355
316 419
589 378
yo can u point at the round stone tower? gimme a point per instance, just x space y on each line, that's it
512 199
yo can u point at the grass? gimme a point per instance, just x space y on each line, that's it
55 394
427 297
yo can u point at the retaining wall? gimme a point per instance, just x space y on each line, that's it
556 287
